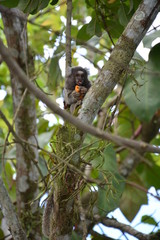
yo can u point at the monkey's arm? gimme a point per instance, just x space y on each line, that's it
83 90
70 96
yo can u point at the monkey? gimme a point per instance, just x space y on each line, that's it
76 86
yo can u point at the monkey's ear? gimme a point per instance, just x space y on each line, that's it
68 71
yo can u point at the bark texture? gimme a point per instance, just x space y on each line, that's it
119 59
15 23
10 215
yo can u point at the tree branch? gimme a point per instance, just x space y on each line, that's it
119 59
68 34
10 215
17 71
124 228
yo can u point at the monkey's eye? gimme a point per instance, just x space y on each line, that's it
82 76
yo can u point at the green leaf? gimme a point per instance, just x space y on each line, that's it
26 5
9 3
94 28
42 4
110 163
142 97
42 166
109 195
123 19
55 75
148 219
32 6
44 138
148 39
115 28
131 6
126 126
83 35
132 198
54 2
150 173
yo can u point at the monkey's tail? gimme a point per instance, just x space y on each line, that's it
48 211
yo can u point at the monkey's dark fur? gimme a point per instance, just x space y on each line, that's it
76 76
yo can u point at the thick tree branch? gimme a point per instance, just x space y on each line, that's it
17 71
15 29
10 215
119 59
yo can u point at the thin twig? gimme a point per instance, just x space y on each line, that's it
68 35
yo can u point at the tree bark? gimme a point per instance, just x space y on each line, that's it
15 28
119 59
10 215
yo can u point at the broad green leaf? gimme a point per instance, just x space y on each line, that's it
132 198
123 19
110 163
42 166
9 3
30 6
142 96
44 138
115 28
150 173
94 28
42 4
83 35
149 220
126 126
131 5
109 195
148 39
55 75
42 125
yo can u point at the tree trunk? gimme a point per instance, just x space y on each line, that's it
15 23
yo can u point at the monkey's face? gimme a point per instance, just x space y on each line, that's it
80 77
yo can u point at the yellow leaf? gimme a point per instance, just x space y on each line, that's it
54 22
47 22
111 1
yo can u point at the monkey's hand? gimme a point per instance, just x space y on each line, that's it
83 90
76 94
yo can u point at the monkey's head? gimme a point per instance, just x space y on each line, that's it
77 76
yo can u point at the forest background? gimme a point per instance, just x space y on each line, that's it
112 165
